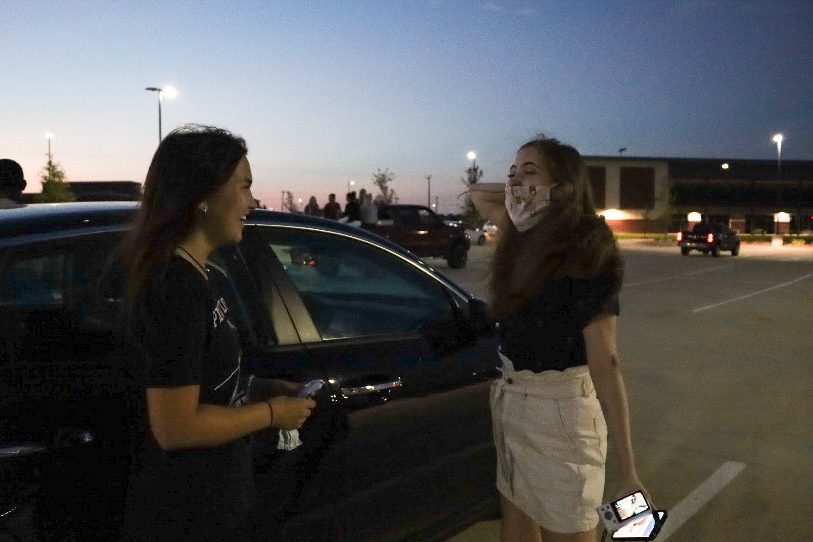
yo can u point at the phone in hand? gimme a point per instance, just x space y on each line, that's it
645 528
311 388
615 514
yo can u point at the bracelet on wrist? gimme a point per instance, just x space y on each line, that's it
270 411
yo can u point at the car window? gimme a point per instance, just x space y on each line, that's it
427 218
32 279
353 289
406 217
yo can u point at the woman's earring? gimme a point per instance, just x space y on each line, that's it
204 210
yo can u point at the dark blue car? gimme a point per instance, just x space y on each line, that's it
399 447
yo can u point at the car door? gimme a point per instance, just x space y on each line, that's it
400 365
65 387
407 230
434 232
295 494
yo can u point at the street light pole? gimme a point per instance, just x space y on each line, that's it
428 190
171 92
49 136
159 91
778 140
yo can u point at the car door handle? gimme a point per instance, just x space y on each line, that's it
354 391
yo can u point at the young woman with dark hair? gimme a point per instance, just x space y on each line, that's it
556 275
193 478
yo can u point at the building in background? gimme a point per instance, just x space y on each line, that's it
638 194
98 191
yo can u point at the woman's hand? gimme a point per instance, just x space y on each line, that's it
489 198
290 412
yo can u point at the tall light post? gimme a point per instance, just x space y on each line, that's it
778 138
171 93
349 184
428 189
49 136
473 157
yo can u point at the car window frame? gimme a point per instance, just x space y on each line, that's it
298 311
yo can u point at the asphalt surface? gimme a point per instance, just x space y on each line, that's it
716 354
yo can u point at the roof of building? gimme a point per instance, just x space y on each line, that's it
711 168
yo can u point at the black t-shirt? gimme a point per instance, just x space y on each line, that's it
547 333
184 337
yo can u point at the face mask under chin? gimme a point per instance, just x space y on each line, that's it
525 204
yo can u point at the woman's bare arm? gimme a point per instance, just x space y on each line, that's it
178 420
605 370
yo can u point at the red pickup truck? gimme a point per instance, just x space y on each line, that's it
421 231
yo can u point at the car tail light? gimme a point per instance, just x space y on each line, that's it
680 236
710 238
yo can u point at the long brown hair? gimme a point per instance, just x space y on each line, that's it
191 163
568 241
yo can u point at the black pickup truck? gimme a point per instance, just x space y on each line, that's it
709 238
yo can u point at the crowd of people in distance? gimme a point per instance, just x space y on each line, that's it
358 208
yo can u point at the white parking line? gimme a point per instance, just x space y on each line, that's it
752 294
697 499
682 275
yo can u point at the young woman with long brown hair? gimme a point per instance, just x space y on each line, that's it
556 275
193 479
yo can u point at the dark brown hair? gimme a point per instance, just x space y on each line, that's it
190 164
568 241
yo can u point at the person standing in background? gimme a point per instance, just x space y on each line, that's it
369 212
332 208
312 208
352 210
12 184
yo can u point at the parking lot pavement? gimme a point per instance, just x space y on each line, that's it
717 360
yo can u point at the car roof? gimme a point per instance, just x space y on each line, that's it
405 206
78 217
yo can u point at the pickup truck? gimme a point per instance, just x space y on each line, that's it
419 230
709 238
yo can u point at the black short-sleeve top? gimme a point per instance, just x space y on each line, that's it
184 335
547 334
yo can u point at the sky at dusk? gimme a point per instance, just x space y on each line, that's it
327 92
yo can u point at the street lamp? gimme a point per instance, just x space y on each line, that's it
349 184
49 136
473 157
725 165
171 93
778 140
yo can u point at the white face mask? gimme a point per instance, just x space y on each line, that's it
525 204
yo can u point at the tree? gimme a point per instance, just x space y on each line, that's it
54 187
382 179
470 212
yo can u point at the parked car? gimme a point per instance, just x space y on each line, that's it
422 232
399 446
709 238
475 234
